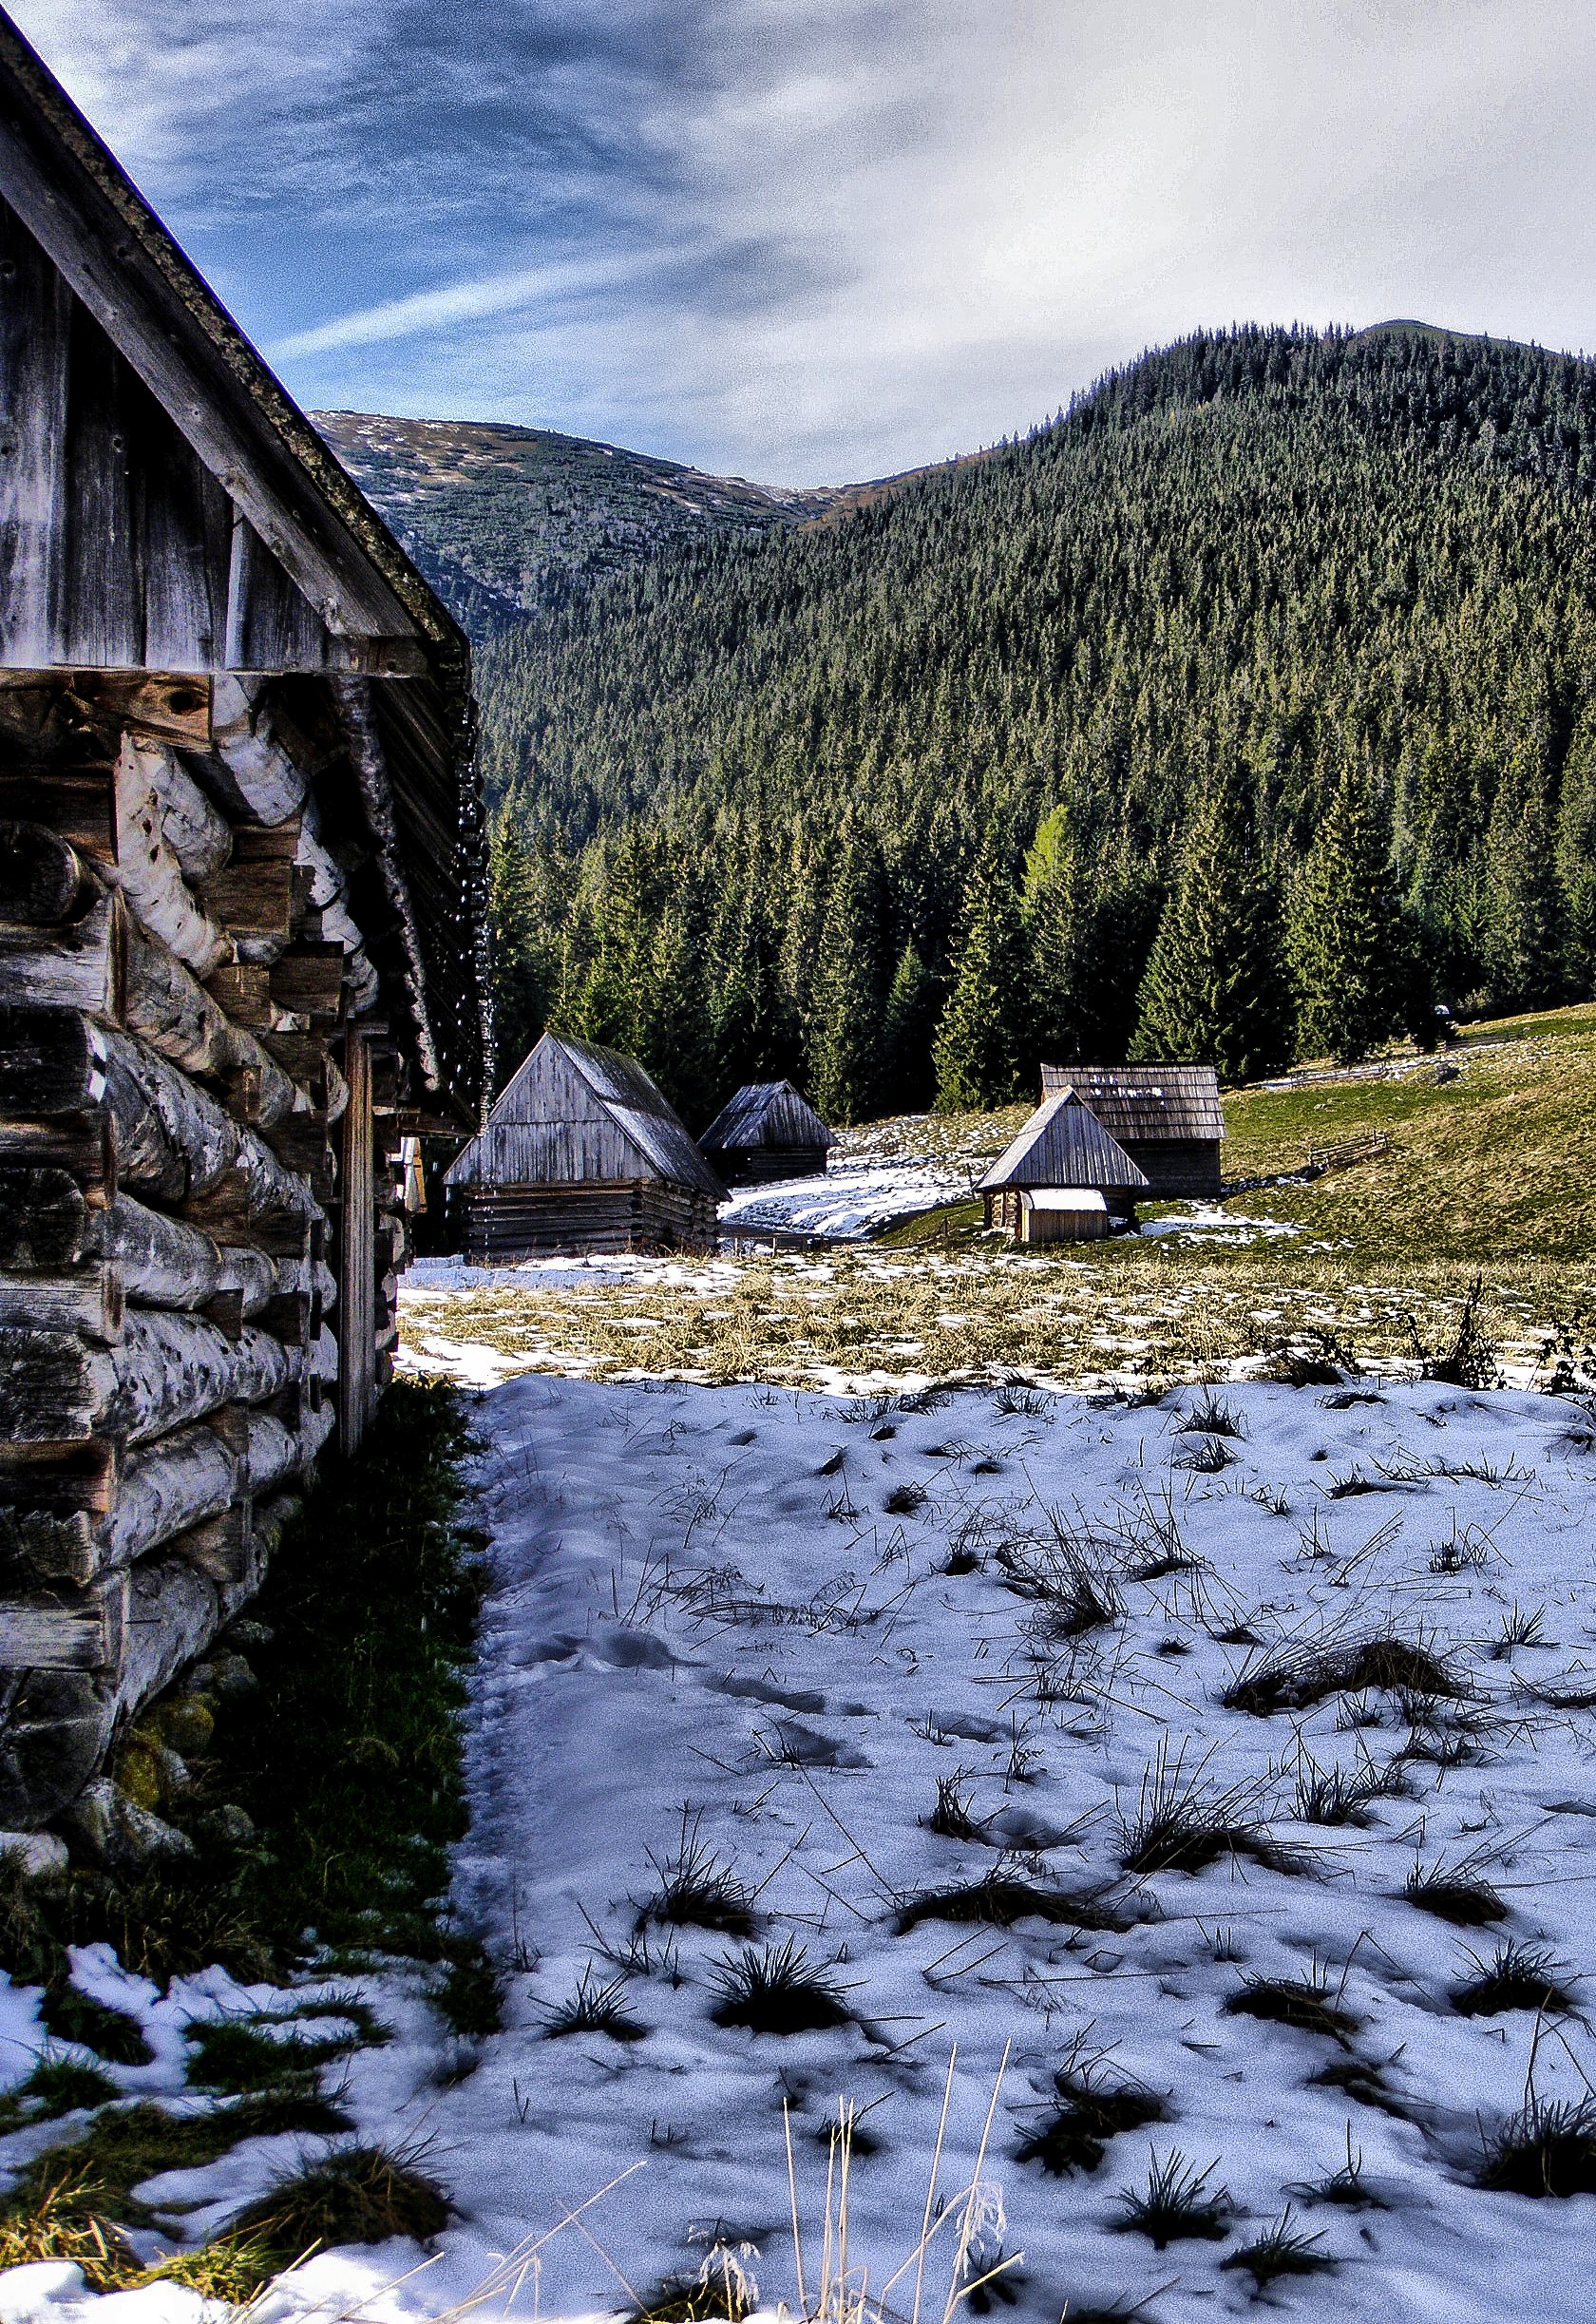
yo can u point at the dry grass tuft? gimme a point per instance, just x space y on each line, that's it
998 1900
1295 1681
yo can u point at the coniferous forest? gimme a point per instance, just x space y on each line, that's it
1242 711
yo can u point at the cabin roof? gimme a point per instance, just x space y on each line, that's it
124 264
574 1112
1145 1103
1064 1145
299 521
765 1114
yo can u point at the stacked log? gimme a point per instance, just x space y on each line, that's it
181 974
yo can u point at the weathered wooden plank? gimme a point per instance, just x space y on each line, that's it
257 895
187 522
142 313
84 1145
101 598
269 625
35 308
310 979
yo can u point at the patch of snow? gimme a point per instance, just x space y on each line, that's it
847 1202
727 1619
1200 1222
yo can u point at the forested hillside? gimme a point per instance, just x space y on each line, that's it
505 521
1239 713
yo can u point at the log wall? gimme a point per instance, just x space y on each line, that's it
765 1165
524 1222
200 1220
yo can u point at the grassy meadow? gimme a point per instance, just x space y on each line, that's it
1491 1174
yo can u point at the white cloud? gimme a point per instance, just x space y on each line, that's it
819 239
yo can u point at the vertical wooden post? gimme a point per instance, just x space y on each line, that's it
356 1251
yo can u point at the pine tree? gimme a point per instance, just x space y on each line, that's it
1056 917
1576 860
1345 932
848 1056
977 1051
1524 945
1215 988
523 944
910 1027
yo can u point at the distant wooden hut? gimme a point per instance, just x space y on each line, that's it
1166 1117
766 1131
583 1153
1063 1179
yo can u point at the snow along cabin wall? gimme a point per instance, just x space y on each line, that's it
191 1206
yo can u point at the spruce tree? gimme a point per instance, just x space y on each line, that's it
978 1047
1345 933
1215 989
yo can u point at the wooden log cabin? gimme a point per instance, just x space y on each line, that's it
766 1131
1063 1179
583 1153
241 888
1166 1117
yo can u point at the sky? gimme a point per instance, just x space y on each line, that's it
812 241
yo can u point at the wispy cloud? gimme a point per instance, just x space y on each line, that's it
820 239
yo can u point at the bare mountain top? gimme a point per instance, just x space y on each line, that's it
502 517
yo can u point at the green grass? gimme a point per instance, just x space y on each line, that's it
1498 1164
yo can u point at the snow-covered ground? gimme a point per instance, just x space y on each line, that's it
846 1200
855 1660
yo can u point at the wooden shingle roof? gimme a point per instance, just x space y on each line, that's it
1065 1145
765 1114
575 1113
1144 1103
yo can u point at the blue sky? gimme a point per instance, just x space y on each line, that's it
815 240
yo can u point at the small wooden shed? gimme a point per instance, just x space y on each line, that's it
583 1153
1166 1117
1063 1179
766 1131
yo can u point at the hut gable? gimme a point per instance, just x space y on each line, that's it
1065 1145
575 1113
765 1114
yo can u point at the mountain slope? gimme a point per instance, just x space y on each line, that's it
765 805
503 519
